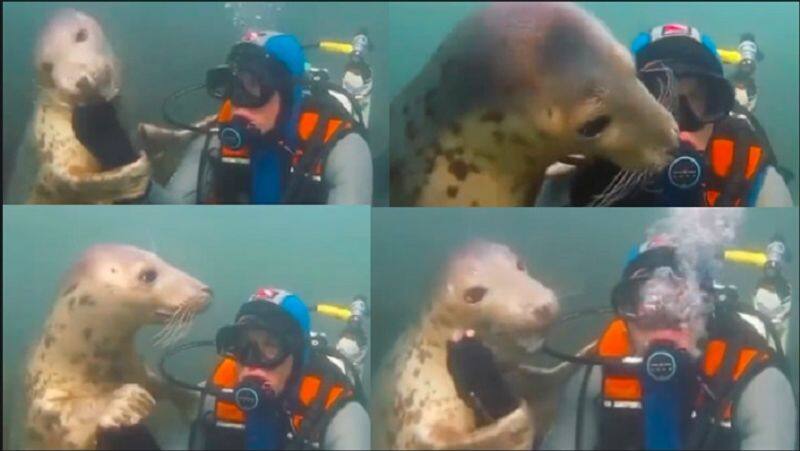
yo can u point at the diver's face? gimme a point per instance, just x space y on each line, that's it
668 309
681 334
695 92
276 377
263 117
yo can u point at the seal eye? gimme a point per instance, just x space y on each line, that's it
593 128
81 35
520 265
475 294
148 275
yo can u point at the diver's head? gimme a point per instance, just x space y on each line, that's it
268 339
261 78
701 94
659 301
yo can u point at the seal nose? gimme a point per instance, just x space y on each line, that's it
208 293
546 312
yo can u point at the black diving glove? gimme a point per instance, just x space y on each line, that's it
132 437
477 379
96 126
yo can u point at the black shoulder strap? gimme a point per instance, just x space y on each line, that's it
315 416
315 148
760 134
311 154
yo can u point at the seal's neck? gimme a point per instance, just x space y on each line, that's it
95 320
50 98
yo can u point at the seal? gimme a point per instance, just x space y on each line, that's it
75 65
487 288
512 89
84 372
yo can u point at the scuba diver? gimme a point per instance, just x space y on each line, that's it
352 343
272 388
724 157
284 132
286 395
680 366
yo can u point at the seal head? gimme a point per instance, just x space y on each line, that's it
487 287
74 59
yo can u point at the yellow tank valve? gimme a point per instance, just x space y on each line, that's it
748 257
729 56
337 47
335 311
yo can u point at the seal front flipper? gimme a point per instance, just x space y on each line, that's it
513 431
126 182
129 405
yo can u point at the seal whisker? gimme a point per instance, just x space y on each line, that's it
168 339
161 336
183 326
187 324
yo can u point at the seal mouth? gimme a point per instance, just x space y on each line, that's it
531 343
194 305
178 320
163 315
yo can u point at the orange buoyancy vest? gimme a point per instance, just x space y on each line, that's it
734 157
621 390
318 397
319 127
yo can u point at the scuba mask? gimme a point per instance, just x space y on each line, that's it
664 299
662 79
250 78
655 293
270 351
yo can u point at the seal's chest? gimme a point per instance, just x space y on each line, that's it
484 159
58 144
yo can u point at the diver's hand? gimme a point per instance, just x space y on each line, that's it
96 126
476 377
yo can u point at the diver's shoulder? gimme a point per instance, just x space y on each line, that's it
774 191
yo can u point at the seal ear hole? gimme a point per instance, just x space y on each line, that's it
521 265
81 35
148 275
475 294
593 128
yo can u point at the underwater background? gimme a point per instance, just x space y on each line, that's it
417 28
321 254
577 253
166 46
